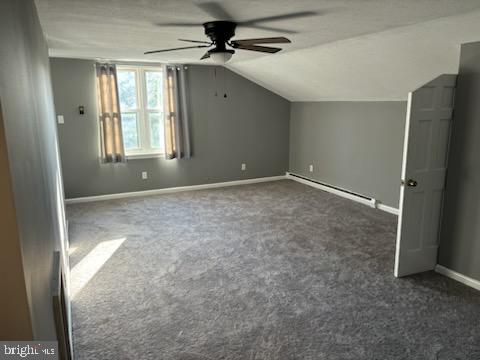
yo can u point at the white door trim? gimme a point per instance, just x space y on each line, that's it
402 192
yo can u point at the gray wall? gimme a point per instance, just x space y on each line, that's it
29 119
250 126
356 146
460 236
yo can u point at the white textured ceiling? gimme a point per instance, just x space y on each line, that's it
350 50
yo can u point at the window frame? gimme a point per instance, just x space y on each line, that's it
142 111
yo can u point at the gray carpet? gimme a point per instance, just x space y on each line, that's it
268 271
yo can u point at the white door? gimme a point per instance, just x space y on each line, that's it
425 153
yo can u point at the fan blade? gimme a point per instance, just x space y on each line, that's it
273 29
205 56
197 41
215 10
271 40
265 49
184 24
173 49
279 17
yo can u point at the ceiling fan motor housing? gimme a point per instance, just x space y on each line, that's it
220 32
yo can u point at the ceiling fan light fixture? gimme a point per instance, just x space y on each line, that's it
221 57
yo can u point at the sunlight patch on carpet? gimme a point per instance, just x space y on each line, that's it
86 269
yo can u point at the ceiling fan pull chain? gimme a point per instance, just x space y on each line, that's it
215 80
224 83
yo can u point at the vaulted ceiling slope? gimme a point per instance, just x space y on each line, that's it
350 50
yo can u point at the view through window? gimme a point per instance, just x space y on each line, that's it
140 91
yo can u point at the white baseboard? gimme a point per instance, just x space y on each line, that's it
344 193
347 195
389 209
457 276
172 190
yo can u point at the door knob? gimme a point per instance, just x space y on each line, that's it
411 183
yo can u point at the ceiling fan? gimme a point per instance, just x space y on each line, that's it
221 31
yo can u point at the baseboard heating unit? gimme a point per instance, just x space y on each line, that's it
351 195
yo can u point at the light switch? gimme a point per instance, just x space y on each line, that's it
60 119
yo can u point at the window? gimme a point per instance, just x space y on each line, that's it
140 91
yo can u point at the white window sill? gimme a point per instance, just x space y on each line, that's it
144 156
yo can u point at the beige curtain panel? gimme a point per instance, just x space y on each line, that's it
111 140
177 132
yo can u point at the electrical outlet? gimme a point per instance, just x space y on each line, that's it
244 167
60 119
310 168
144 175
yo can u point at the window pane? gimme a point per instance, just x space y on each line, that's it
154 89
130 131
156 130
127 89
